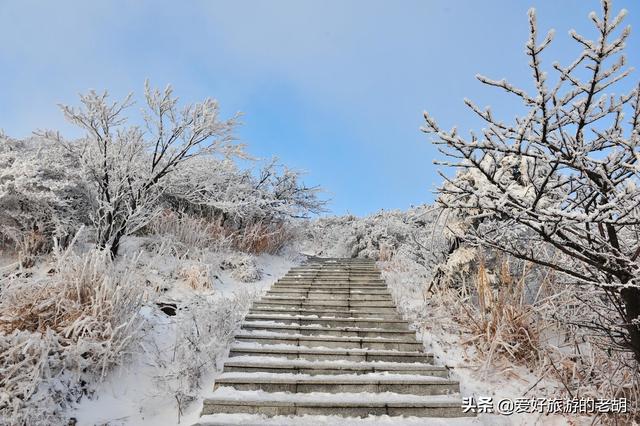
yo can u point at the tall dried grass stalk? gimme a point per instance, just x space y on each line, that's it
507 325
256 237
62 332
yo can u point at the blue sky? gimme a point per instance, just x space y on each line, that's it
336 87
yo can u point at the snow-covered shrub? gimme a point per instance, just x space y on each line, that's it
243 267
254 213
42 195
205 327
59 335
219 189
382 235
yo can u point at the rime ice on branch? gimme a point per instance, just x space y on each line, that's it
565 175
128 164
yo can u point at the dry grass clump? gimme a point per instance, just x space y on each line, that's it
529 319
83 296
198 276
27 244
502 322
385 253
59 333
192 232
261 237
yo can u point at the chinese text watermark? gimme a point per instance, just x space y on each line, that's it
507 406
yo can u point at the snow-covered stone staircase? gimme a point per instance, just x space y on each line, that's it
326 339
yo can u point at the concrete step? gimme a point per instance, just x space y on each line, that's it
329 279
357 274
330 287
317 278
330 268
371 285
326 354
385 324
385 308
373 382
338 270
357 297
328 342
324 295
331 283
314 330
348 405
351 263
334 271
302 301
254 364
327 313
244 419
354 272
313 291
326 339
312 274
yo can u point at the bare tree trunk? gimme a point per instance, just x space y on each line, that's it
631 299
115 246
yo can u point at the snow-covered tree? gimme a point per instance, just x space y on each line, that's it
217 187
285 194
563 175
128 163
42 195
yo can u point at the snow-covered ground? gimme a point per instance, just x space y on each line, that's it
204 295
143 391
443 337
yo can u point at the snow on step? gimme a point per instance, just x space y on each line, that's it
365 322
315 327
297 352
327 297
321 330
229 400
318 308
314 420
327 340
318 290
325 314
372 382
270 364
270 338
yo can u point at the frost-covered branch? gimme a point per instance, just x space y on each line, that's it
564 175
128 164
